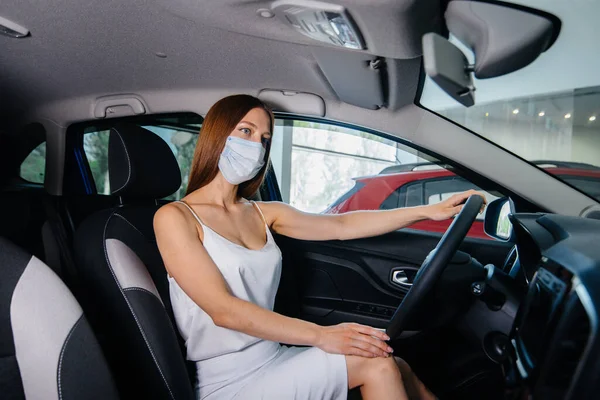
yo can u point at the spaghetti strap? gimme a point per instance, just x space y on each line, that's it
260 212
192 211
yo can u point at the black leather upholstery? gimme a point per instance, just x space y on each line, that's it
123 275
139 165
47 348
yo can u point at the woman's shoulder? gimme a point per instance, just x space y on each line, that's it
171 215
274 205
274 209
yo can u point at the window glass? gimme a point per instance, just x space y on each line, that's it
323 168
549 111
33 168
95 145
414 195
180 138
439 190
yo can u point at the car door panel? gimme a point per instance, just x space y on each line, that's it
335 281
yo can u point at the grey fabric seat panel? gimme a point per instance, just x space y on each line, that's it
47 350
115 253
122 273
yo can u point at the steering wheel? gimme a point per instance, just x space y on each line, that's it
434 265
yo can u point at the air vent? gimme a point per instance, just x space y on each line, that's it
593 214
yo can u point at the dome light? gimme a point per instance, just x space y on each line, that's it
11 29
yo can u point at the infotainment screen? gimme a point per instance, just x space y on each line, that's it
545 293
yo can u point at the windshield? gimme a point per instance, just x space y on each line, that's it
549 111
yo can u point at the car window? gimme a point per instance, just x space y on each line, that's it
33 168
431 191
325 168
182 141
438 190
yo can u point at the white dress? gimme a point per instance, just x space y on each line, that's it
233 365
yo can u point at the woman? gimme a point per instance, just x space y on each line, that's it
224 269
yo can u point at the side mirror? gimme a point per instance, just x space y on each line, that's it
497 223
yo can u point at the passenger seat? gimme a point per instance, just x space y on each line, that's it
122 274
47 348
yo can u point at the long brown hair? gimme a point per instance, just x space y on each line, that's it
220 121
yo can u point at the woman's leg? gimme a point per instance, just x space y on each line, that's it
378 378
414 387
385 378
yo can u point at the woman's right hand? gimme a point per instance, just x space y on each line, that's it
353 339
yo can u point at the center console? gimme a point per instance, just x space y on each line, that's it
551 333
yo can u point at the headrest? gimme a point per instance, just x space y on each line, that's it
140 163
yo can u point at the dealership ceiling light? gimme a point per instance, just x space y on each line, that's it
516 111
542 113
567 115
592 118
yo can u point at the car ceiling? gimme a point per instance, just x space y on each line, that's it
81 48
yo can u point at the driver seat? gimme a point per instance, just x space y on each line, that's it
123 276
123 279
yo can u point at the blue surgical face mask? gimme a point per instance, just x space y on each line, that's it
241 160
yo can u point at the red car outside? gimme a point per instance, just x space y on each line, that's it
414 188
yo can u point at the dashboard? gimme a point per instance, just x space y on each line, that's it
552 349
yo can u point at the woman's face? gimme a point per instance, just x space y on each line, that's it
255 126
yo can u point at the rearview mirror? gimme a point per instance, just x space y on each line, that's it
497 223
504 38
447 66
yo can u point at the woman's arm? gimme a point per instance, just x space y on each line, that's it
291 222
188 262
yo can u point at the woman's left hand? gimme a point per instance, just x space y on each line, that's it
452 206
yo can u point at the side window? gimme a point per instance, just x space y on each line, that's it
409 195
182 143
323 168
439 190
95 145
33 168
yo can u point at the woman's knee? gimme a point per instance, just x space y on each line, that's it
362 370
379 368
384 366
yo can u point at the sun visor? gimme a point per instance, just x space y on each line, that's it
296 102
356 78
387 28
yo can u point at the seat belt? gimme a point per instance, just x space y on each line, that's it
51 249
67 264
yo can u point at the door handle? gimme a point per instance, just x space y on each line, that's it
399 277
